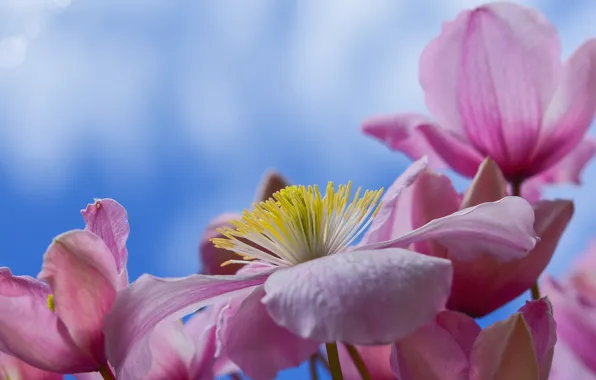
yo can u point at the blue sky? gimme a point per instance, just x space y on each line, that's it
176 108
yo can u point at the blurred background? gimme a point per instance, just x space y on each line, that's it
176 108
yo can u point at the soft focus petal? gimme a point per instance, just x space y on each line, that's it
500 282
30 331
488 185
336 298
503 229
539 318
500 56
271 183
107 219
12 368
248 335
82 274
211 257
572 108
504 350
171 352
566 365
149 300
401 133
376 359
436 351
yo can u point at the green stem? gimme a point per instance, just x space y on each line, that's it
106 372
320 357
334 365
312 364
358 362
535 292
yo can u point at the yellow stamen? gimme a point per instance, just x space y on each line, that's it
298 224
51 304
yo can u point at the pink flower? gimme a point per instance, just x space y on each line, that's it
376 359
494 81
12 368
481 283
574 302
454 347
212 257
312 285
55 325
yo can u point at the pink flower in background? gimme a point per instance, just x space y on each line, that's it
12 368
212 257
481 283
454 347
574 303
495 83
55 324
312 285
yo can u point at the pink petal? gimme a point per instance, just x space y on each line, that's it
107 219
488 185
568 366
336 298
200 329
504 350
501 57
571 109
376 359
503 229
171 351
271 183
433 352
149 300
248 335
82 274
212 257
13 368
30 331
539 318
400 132
500 281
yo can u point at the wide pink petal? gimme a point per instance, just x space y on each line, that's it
83 277
492 72
376 359
248 334
503 229
501 281
149 300
336 298
30 331
539 318
571 110
211 257
504 350
15 369
107 219
400 132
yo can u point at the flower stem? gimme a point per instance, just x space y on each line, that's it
333 357
535 291
312 364
358 362
106 372
320 357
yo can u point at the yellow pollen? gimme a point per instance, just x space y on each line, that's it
298 224
51 304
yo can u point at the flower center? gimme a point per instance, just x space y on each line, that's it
298 224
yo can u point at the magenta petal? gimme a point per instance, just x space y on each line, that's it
13 368
30 331
376 359
171 352
539 318
149 300
82 274
211 257
503 228
336 298
248 334
400 132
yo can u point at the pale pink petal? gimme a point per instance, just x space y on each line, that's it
12 368
30 331
504 350
200 329
539 318
248 334
566 365
433 353
488 185
107 219
271 183
572 108
336 298
88 376
400 132
82 274
171 352
149 300
503 229
376 359
211 257
492 72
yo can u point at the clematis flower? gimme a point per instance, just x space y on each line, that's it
453 347
481 283
211 256
494 81
310 282
574 302
55 324
12 368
